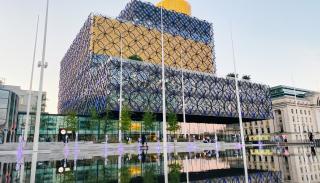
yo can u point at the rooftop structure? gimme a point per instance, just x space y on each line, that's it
180 6
281 90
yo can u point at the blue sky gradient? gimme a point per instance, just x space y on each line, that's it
275 41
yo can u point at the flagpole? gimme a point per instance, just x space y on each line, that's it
164 120
26 128
243 145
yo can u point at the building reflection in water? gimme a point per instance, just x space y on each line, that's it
296 164
182 167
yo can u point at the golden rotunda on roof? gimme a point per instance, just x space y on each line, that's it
180 6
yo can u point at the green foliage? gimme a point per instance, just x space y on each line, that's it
94 118
125 175
172 122
72 122
94 121
149 121
94 114
125 119
106 125
69 177
135 57
149 175
174 174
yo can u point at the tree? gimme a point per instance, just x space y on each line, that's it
125 119
94 119
107 120
149 121
125 176
149 175
174 174
246 77
72 122
173 124
135 57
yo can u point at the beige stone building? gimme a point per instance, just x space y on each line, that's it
296 113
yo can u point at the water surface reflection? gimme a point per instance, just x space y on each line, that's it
269 164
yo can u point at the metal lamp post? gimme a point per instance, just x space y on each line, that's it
120 97
243 145
183 100
164 120
42 64
26 128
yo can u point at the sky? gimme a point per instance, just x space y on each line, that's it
276 42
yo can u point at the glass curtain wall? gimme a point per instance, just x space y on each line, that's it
8 115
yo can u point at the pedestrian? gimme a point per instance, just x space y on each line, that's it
310 137
143 139
146 140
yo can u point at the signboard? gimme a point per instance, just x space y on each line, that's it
259 137
63 131
265 152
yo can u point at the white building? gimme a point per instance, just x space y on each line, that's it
296 113
23 98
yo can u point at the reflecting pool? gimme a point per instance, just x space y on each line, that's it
265 164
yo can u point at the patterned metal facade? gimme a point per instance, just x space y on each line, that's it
179 52
177 24
205 94
90 70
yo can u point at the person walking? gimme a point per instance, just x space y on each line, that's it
143 139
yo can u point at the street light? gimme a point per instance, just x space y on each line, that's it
42 64
240 114
164 120
25 138
120 97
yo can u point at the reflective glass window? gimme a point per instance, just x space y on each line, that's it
4 94
3 113
3 103
2 121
